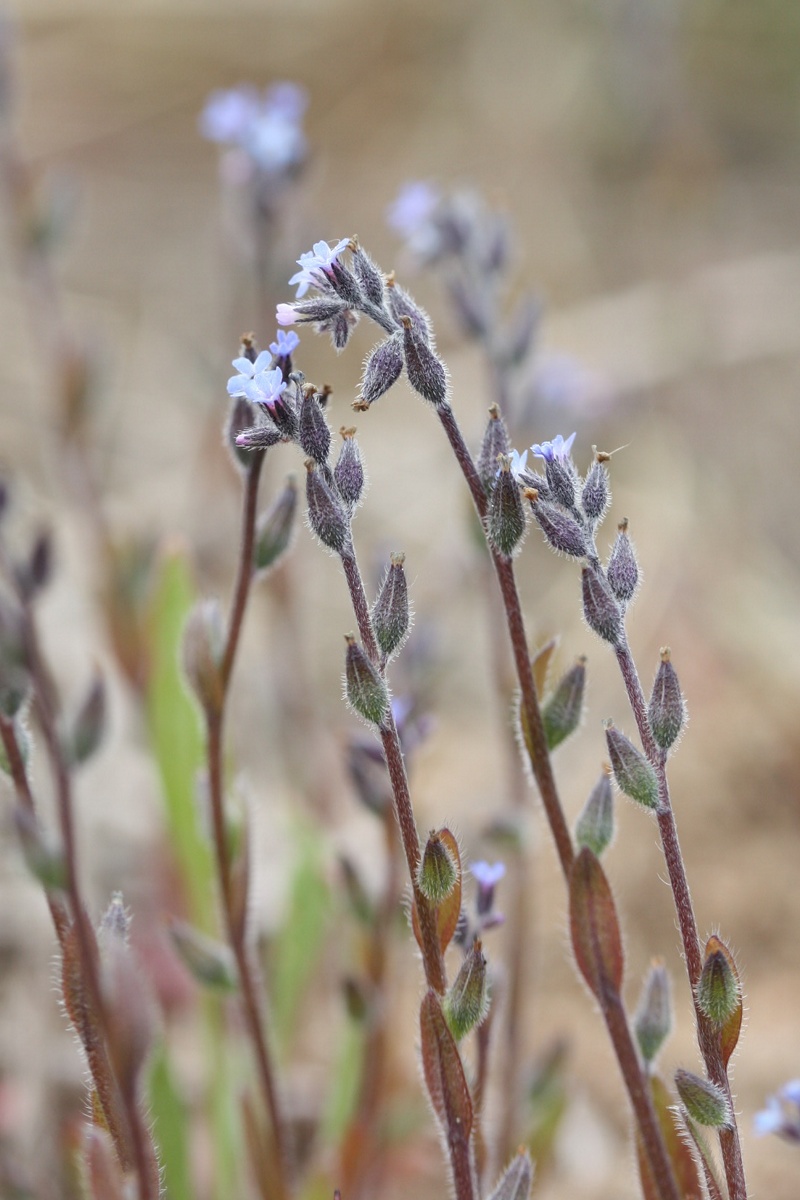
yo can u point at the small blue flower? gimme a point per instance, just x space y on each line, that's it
267 128
486 874
286 344
782 1113
228 114
769 1119
315 264
238 384
285 314
266 387
412 208
558 448
518 461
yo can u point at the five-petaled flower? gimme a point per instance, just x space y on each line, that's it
286 344
558 448
266 387
314 266
238 384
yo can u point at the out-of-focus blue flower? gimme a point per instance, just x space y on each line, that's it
267 128
413 207
488 874
238 384
518 461
314 265
286 344
781 1114
558 448
285 314
266 387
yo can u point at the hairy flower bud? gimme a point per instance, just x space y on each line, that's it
425 371
349 470
345 284
704 1101
203 643
561 530
364 688
495 443
596 494
241 419
274 529
718 991
382 369
506 520
467 1002
390 613
562 479
368 275
314 434
666 711
653 1020
438 873
326 512
401 305
595 825
561 712
260 436
633 773
623 570
210 962
341 327
600 610
516 1181
90 723
36 573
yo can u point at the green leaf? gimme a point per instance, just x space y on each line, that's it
168 1117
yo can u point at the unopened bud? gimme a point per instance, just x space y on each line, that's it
666 711
326 513
90 724
115 923
402 305
241 420
14 677
274 528
368 275
382 369
260 436
596 495
203 648
653 1020
718 992
43 858
437 874
623 570
355 999
561 530
36 573
364 687
390 613
314 434
341 327
495 443
562 479
425 371
704 1101
506 520
633 773
345 284
601 611
210 962
561 712
595 825
466 1003
128 1013
349 469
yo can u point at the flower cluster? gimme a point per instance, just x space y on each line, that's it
264 130
781 1114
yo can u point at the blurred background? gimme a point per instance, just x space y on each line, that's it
646 154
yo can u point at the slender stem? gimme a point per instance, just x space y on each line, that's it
707 1034
244 574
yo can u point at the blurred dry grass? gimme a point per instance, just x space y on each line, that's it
648 156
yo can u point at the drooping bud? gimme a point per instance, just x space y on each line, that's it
666 711
314 434
596 494
35 574
437 874
704 1101
274 529
210 962
595 825
326 513
600 610
561 530
382 369
241 419
341 327
203 648
349 470
653 1020
561 712
718 991
466 1003
390 613
364 688
43 858
633 773
90 724
516 1181
506 520
260 436
562 479
495 443
14 677
401 305
128 1008
623 570
425 371
368 275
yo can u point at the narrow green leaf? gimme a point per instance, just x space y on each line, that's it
297 945
168 1117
